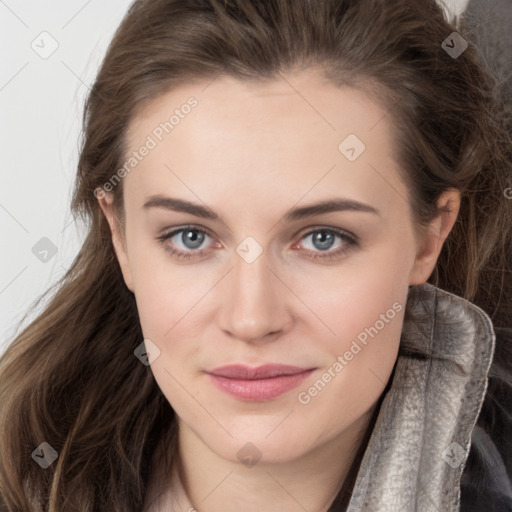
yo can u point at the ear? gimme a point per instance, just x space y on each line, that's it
105 201
431 238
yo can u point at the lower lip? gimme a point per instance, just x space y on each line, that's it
259 389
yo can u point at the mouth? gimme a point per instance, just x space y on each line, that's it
261 383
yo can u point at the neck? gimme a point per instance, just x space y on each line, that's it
309 482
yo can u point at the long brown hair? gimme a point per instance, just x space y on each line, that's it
70 378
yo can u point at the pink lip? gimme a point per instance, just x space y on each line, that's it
260 383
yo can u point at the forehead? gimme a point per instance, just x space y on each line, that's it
290 133
304 95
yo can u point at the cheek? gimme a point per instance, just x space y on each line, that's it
165 292
369 291
172 315
358 360
363 306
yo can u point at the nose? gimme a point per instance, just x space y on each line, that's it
254 302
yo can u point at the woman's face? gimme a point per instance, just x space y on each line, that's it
255 272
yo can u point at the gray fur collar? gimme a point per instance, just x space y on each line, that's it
422 436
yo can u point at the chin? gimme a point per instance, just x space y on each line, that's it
256 446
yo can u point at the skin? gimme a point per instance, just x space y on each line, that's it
251 152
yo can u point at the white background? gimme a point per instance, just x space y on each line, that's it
41 101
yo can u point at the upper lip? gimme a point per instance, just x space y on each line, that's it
266 371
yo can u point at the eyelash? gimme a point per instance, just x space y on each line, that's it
351 240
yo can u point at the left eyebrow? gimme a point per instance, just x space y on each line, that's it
333 205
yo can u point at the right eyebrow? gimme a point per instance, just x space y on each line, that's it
179 205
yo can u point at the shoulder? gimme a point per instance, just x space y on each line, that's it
486 482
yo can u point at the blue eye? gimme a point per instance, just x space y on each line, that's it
324 238
192 238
